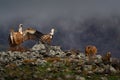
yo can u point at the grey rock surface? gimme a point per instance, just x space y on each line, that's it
41 54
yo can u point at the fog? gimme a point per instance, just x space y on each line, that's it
77 22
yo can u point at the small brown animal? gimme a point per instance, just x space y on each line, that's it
106 57
90 50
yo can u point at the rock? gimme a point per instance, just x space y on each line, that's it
103 78
68 54
2 78
80 78
81 56
72 56
52 52
58 60
99 70
42 51
68 76
49 69
87 67
3 54
57 48
115 62
59 78
113 70
106 69
98 56
98 59
38 47
90 72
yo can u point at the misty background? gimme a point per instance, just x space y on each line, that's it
78 23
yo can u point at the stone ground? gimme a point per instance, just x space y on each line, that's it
44 62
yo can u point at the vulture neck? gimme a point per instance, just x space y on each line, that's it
20 30
52 32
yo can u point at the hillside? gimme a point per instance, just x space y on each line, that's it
44 62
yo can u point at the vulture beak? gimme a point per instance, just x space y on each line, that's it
20 25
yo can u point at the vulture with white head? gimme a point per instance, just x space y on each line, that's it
47 38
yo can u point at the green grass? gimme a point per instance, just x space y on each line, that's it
50 71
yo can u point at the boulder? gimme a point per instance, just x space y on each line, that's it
113 70
38 47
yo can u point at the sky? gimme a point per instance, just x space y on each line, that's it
78 23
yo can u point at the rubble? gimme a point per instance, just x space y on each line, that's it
54 60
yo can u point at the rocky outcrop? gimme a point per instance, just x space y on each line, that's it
76 61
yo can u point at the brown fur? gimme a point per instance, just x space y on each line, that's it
106 57
90 50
